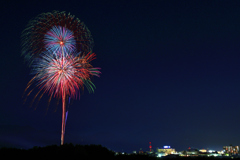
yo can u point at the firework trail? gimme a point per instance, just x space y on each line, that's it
58 49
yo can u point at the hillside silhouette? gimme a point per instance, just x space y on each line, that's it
69 151
83 152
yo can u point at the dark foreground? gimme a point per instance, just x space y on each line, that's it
72 152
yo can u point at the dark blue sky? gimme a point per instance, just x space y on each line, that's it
170 75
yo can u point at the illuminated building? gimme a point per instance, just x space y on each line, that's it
167 150
231 149
203 150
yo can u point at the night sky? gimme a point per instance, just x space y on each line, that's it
170 76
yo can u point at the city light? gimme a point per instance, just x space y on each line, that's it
167 151
166 146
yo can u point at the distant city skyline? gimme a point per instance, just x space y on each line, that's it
206 149
169 151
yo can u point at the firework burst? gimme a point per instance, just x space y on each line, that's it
59 51
60 40
58 75
53 29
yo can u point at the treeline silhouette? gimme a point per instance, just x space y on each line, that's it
81 152
70 152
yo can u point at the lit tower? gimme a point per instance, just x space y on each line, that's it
150 146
